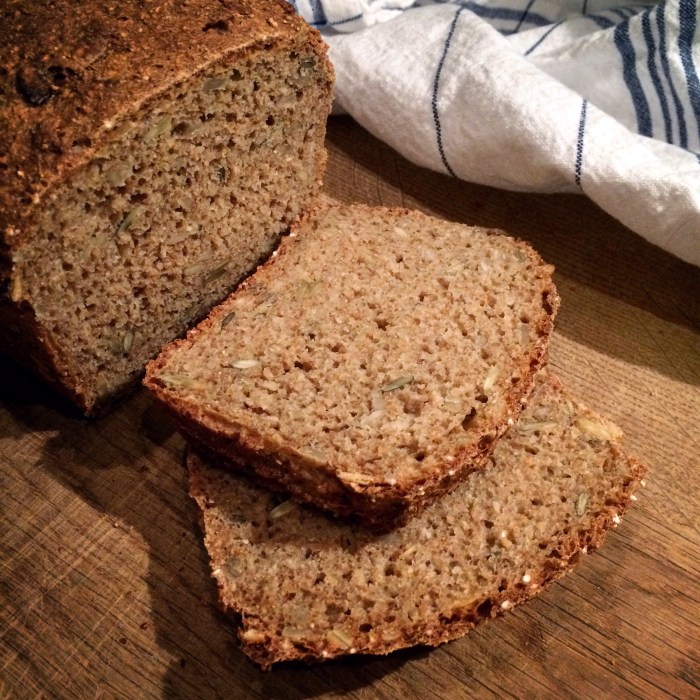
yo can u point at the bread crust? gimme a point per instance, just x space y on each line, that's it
382 506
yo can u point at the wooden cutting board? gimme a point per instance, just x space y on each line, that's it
104 582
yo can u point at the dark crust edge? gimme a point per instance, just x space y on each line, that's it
381 506
570 550
28 344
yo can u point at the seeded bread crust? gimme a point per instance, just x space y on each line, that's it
376 501
72 78
301 586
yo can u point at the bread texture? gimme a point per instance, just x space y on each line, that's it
151 155
371 364
303 586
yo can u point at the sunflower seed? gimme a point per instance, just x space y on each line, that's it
581 503
491 378
244 364
128 341
339 637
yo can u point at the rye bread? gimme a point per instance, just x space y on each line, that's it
300 585
371 364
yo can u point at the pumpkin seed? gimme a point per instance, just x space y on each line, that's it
281 510
228 319
211 84
397 383
217 272
127 221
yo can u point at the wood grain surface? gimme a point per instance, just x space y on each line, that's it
104 581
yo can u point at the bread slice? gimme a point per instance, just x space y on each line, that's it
371 364
151 154
303 586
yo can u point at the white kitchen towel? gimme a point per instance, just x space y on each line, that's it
593 96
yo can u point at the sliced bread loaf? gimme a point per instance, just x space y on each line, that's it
303 586
151 154
371 364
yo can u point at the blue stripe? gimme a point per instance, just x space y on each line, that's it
526 11
578 165
542 38
506 13
654 74
629 73
326 23
686 15
663 53
602 22
318 17
436 116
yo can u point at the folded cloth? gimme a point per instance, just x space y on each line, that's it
593 96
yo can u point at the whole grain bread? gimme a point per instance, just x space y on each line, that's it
369 365
151 154
303 586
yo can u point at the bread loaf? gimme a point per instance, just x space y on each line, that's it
303 586
151 154
369 365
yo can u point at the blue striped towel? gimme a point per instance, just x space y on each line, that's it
593 96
